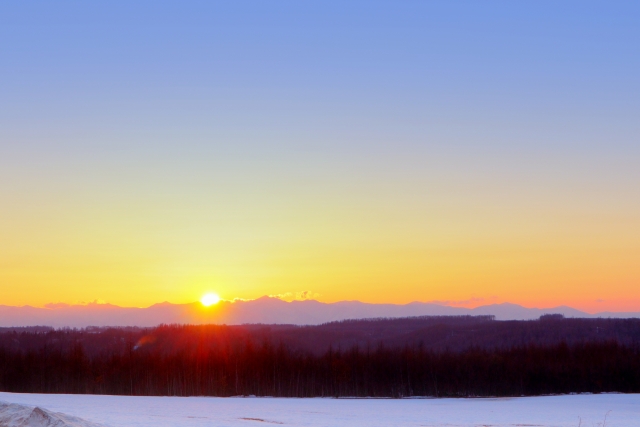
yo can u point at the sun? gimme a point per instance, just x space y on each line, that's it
209 299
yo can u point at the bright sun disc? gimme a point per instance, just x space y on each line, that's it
209 299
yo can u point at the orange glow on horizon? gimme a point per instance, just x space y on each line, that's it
384 251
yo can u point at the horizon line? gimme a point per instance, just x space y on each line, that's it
98 302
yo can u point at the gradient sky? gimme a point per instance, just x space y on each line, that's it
381 151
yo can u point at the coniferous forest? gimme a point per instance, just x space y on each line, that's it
431 356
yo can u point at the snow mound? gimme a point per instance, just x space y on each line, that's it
12 415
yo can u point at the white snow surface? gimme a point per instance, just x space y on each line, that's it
621 410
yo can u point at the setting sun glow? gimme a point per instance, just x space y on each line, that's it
209 299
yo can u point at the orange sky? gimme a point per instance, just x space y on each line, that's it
393 249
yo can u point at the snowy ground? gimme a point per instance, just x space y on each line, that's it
120 411
15 415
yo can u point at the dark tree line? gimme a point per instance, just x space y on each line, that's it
227 361
437 333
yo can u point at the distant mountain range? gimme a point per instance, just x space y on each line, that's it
265 310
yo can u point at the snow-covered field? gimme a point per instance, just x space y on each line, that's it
622 410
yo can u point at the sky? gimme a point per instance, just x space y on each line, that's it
381 151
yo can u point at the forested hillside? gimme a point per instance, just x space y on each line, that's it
435 356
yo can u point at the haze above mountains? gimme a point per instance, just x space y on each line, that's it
265 310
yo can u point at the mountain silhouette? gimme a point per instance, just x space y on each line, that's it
266 310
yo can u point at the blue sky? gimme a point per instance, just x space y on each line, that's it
215 119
